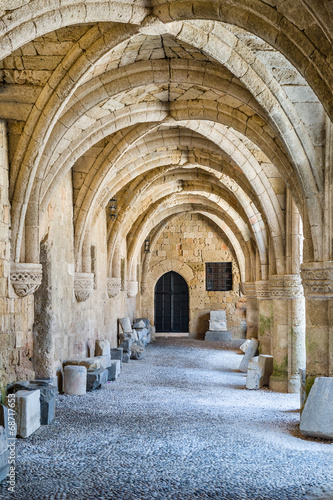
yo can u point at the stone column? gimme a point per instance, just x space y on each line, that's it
251 310
265 312
288 332
317 279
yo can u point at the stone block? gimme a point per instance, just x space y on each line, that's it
91 364
316 418
96 379
245 345
139 324
47 397
27 412
125 324
104 360
254 375
218 316
137 352
145 320
251 351
7 422
212 335
266 362
4 453
126 356
75 380
102 348
126 344
114 369
217 326
117 353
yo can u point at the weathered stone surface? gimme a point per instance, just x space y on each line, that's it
117 353
48 394
96 379
126 356
104 360
254 375
302 375
91 364
126 344
75 380
114 369
139 324
125 325
137 351
7 422
266 361
102 348
4 454
245 345
317 418
215 335
27 412
250 353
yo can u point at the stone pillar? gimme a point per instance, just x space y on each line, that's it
251 310
317 279
265 313
288 332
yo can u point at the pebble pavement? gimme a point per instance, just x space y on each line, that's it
178 425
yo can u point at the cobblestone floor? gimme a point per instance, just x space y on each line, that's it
178 425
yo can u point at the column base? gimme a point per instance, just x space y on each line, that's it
294 384
278 384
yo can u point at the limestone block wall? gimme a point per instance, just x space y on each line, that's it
186 243
16 314
64 327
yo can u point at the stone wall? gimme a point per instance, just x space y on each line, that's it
16 313
186 243
64 327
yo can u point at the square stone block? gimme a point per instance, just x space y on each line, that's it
27 412
114 369
254 375
104 360
266 362
125 324
8 423
251 351
96 379
102 348
47 397
126 344
217 335
218 316
217 326
126 356
117 353
316 418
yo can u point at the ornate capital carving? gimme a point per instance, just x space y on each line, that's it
262 289
83 286
287 286
25 278
131 288
250 290
113 286
317 279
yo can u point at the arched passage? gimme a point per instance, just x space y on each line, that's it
171 303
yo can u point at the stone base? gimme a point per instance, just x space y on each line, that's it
215 335
114 369
47 397
278 384
126 356
27 408
96 379
117 353
316 418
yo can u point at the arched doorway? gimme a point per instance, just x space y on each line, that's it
171 303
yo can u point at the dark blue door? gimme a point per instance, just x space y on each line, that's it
171 303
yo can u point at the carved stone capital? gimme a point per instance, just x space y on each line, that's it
317 279
262 289
132 288
250 290
286 286
113 286
83 286
25 278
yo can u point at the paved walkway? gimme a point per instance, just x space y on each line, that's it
178 425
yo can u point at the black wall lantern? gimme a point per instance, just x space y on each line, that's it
112 208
